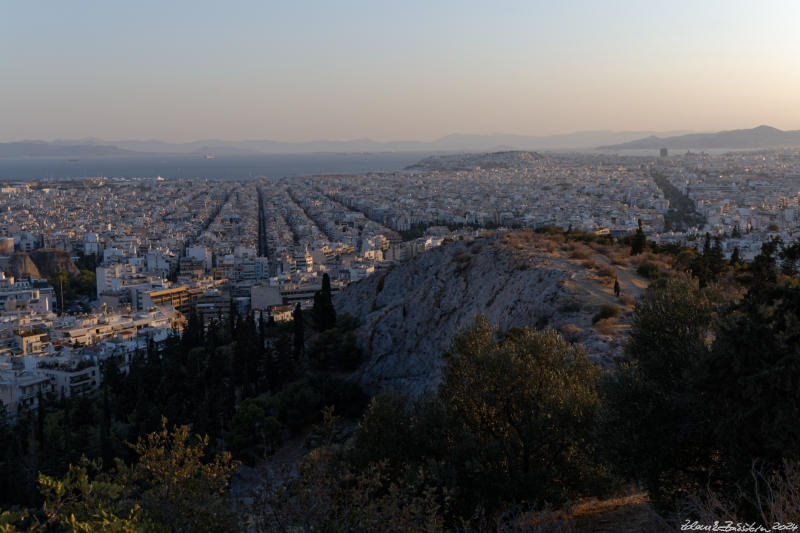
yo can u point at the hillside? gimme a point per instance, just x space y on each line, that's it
52 260
745 139
410 313
20 265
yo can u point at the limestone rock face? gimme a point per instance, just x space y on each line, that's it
409 314
52 260
20 265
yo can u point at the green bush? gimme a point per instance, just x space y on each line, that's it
254 434
335 349
652 428
345 396
607 311
649 270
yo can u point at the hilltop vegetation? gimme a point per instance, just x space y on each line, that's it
519 422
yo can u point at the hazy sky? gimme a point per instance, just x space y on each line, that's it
337 69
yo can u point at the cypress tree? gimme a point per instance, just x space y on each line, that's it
106 452
638 241
40 415
299 333
323 312
735 257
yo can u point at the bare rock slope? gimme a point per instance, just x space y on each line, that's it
410 313
49 261
20 265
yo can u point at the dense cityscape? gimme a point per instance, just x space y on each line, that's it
158 250
394 267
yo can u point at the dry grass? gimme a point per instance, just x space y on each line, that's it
606 326
615 515
627 299
591 264
593 506
549 246
542 521
602 249
527 240
607 271
571 332
580 253
618 258
570 306
775 494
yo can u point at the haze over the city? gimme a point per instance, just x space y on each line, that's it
180 71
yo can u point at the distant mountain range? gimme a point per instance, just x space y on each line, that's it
94 147
748 139
760 137
35 149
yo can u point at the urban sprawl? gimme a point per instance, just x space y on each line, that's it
156 250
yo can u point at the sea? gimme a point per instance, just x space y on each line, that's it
196 166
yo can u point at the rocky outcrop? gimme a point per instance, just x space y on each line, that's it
52 260
410 313
20 265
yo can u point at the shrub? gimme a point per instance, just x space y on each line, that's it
617 258
571 332
570 306
607 271
346 396
606 326
524 406
607 311
652 428
254 435
649 270
580 253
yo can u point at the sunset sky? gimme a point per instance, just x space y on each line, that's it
295 71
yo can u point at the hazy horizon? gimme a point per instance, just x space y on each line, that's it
185 71
390 140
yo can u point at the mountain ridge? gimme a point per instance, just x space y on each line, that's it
449 143
753 138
